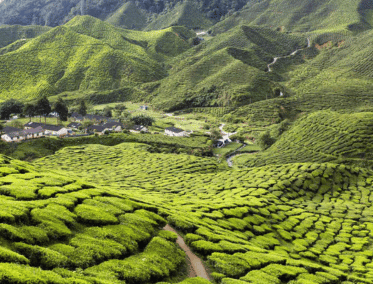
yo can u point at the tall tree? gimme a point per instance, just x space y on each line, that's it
61 108
29 110
82 108
107 112
10 106
43 107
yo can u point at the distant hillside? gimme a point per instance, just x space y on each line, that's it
128 14
228 69
183 14
87 54
302 15
10 34
342 66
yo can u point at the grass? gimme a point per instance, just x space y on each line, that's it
226 149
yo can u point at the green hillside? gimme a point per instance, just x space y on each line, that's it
321 137
54 227
343 66
87 54
129 16
282 223
229 68
183 14
303 15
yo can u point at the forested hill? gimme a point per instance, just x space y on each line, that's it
57 12
198 14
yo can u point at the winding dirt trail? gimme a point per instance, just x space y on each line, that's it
197 268
292 54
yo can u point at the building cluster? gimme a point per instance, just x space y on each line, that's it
103 125
33 130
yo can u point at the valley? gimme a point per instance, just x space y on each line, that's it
186 141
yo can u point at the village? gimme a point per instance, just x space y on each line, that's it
102 125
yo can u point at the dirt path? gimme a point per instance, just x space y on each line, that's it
197 268
292 54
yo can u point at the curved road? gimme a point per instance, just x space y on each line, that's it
197 268
292 54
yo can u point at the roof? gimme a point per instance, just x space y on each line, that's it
95 117
9 129
33 130
174 129
52 127
38 129
112 124
137 127
98 128
74 124
33 124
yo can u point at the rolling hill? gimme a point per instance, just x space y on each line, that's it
229 68
303 15
87 54
321 137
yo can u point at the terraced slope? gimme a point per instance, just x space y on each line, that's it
343 66
275 110
321 137
128 16
228 69
183 14
57 229
296 223
303 15
87 54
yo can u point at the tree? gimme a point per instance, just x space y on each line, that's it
215 135
265 141
107 112
143 120
29 110
43 107
61 108
9 107
1 128
82 108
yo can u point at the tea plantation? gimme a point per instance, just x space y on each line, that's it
290 223
323 136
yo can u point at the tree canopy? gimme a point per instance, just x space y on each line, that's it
61 108
10 106
43 107
82 108
143 120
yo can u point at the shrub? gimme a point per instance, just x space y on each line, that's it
43 257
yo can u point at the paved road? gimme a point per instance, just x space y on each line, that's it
197 269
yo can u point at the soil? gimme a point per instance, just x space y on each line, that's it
196 267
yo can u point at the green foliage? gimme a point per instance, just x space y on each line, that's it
61 108
42 107
10 106
142 120
265 141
